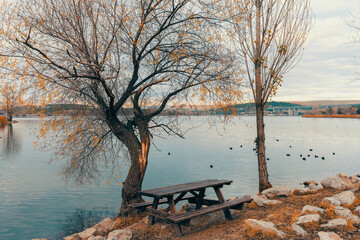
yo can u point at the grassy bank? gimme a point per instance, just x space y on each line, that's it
332 116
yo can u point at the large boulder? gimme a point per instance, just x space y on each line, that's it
309 218
331 201
264 227
345 198
346 213
277 191
262 200
335 223
104 227
123 234
329 236
334 182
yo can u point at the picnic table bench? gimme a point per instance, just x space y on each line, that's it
193 192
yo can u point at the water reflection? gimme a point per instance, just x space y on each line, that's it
81 219
11 142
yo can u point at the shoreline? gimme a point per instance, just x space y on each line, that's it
309 211
332 116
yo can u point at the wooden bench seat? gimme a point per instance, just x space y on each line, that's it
225 205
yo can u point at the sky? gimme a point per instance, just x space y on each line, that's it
327 69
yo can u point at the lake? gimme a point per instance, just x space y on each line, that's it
35 202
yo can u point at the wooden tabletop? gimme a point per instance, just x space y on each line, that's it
179 188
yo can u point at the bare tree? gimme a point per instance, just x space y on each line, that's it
269 37
123 62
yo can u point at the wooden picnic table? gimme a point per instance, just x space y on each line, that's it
193 192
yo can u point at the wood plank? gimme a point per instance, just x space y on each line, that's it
188 215
171 190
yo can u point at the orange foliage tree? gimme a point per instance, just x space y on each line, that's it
268 38
12 95
123 62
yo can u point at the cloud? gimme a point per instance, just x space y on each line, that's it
326 70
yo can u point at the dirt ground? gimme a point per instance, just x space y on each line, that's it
215 226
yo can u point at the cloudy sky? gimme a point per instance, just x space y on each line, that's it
327 70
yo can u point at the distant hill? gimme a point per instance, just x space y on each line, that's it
246 106
326 102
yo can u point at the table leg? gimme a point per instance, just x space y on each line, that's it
200 199
171 204
154 205
221 200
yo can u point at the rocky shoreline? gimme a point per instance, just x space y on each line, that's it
329 215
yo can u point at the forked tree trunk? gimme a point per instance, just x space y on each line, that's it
259 102
139 152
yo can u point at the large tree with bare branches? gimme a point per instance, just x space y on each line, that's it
123 62
269 37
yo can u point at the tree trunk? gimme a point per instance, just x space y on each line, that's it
9 115
139 151
260 140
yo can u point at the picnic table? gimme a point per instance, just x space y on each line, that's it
193 192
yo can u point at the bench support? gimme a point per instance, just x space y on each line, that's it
154 206
221 200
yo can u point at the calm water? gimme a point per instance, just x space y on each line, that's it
35 202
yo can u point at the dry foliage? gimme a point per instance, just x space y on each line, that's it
3 121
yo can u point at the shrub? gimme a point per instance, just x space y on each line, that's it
3 121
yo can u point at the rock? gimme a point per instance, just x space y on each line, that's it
345 198
357 209
311 188
342 175
97 238
329 236
346 213
72 237
309 208
354 179
37 238
264 227
335 182
332 201
339 222
263 200
299 230
104 227
123 234
315 187
277 191
307 183
87 233
346 180
145 220
233 198
309 218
